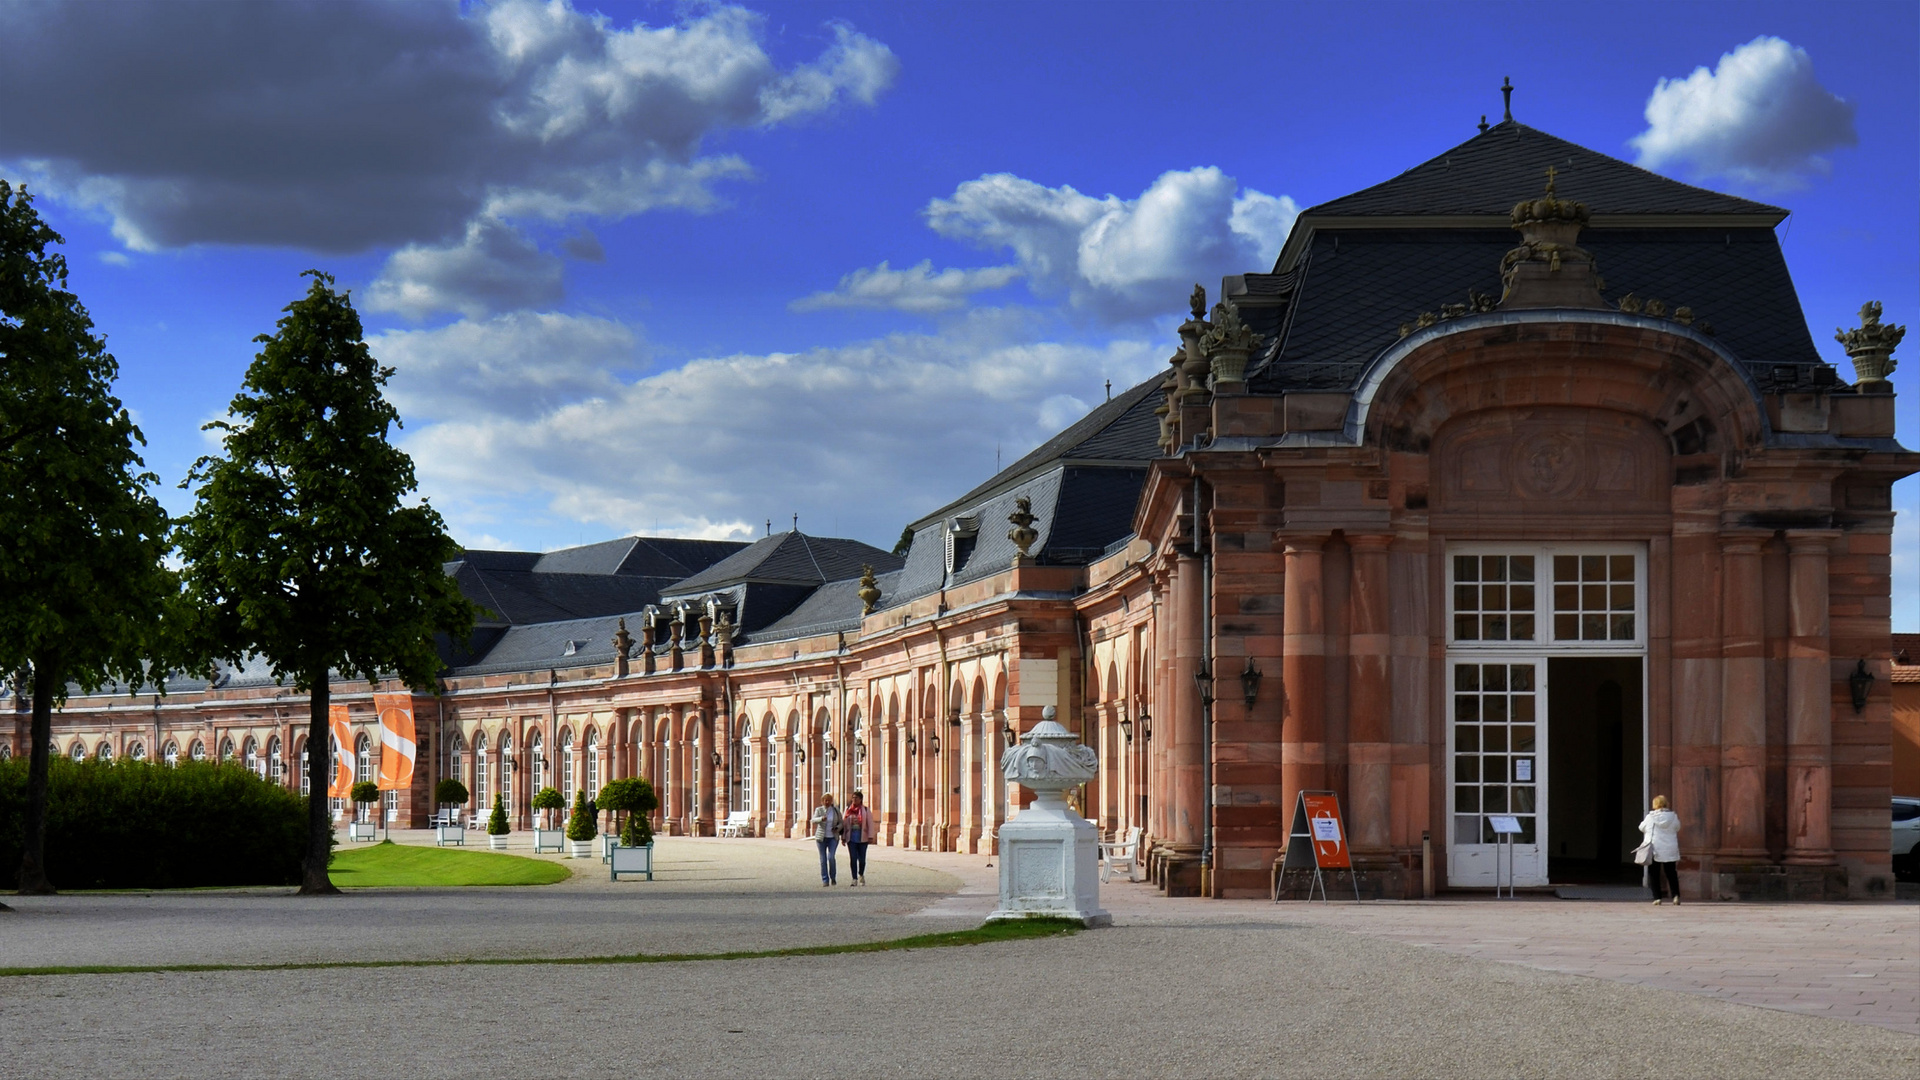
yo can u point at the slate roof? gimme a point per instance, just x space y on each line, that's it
788 558
833 607
610 578
1499 167
1356 286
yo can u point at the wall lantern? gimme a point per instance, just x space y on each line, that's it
1012 735
1146 724
911 743
716 759
833 752
1860 683
1203 679
800 754
953 718
933 744
1126 729
859 750
1250 682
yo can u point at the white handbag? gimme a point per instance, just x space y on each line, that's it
1644 853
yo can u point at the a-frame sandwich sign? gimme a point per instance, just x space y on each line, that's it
1316 841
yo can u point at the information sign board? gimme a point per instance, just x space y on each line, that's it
1504 824
1329 846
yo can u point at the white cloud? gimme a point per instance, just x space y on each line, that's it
115 258
510 368
863 436
492 267
1121 258
916 289
345 127
1759 118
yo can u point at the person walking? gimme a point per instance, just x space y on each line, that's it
859 830
828 824
1662 829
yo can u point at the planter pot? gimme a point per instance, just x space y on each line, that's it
1229 366
363 831
450 834
497 843
622 859
608 841
548 840
580 849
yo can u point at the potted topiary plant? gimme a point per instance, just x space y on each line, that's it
450 792
580 828
497 825
360 828
545 803
633 797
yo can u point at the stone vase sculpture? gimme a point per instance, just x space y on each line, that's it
1050 855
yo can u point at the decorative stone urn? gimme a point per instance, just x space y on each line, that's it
1049 855
1870 346
1227 344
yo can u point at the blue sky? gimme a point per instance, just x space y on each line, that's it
684 268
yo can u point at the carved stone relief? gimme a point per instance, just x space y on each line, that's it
1582 460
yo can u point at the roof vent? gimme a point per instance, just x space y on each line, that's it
958 539
573 647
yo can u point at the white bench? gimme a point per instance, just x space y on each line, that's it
738 823
1116 853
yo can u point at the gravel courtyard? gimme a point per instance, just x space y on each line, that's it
1182 988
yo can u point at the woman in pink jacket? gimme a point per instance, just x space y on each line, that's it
858 824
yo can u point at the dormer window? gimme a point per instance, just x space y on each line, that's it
958 538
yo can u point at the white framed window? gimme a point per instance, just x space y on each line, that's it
481 767
566 768
506 769
827 753
306 775
362 758
694 773
743 770
137 751
199 751
537 770
78 751
104 752
593 763
250 754
170 753
857 748
1558 596
6 751
771 766
276 764
226 750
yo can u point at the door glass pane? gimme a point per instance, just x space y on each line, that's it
1495 770
1594 598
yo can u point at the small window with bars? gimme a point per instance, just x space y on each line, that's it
1493 598
1593 597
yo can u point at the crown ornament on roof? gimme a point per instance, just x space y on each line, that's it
1023 534
1870 346
869 590
1548 269
1227 344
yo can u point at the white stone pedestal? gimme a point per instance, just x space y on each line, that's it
1050 865
1049 855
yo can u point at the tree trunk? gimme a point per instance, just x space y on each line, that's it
313 875
33 854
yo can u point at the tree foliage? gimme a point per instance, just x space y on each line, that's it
365 791
580 825
497 821
450 791
633 796
302 547
82 586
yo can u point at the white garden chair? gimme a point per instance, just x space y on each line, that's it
1117 854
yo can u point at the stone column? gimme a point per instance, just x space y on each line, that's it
1186 799
1303 750
972 769
703 768
676 775
1743 700
1809 700
1369 698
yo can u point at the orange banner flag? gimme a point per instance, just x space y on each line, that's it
397 749
342 737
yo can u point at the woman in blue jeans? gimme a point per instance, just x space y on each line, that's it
827 826
858 822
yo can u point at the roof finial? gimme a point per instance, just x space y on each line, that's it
1483 123
1551 173
796 523
1109 389
769 526
1506 91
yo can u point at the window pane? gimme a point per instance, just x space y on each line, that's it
1522 737
1466 568
1523 678
1466 829
1522 628
1593 567
1466 799
1493 800
1493 768
1623 628
1593 627
1526 831
1493 568
1493 740
1566 597
1466 628
1466 707
1566 627
1465 598
1495 676
1566 568
1493 598
1466 768
1522 796
1520 597
1593 597
1466 676
1466 739
1622 597
1521 568
1494 710
1493 627
1622 567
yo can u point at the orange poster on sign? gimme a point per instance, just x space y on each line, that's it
1329 841
396 740
341 736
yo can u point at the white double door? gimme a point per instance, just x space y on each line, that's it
1497 754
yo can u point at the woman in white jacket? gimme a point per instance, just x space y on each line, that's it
1662 829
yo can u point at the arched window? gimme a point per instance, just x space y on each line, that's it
480 763
226 749
78 750
6 751
306 774
566 766
740 769
198 751
506 768
457 758
797 756
825 752
362 759
104 752
857 748
593 763
537 770
250 754
694 773
170 753
137 751
276 765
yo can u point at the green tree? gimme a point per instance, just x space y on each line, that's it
580 826
549 799
633 797
901 546
81 540
301 548
497 821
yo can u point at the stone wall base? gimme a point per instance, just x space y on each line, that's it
1176 874
1765 881
1382 879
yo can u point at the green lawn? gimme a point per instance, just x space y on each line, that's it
391 865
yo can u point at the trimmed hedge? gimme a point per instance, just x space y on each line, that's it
147 825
